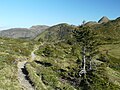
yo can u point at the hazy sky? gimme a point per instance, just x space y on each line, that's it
25 13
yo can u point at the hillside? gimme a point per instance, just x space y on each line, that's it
58 32
106 61
12 51
109 31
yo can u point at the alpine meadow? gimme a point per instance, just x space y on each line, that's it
62 55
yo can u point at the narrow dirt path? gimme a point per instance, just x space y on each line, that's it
22 73
22 77
33 54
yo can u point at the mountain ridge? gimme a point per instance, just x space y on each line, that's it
23 33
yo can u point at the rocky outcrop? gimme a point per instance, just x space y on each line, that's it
104 19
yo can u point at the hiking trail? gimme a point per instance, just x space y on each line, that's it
23 74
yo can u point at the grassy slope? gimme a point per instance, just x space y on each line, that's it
109 32
49 70
11 51
59 67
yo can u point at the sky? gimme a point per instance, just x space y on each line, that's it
26 13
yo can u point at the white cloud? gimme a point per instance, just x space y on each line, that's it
3 28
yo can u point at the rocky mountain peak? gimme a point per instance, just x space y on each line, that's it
104 19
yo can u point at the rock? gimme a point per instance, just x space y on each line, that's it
104 19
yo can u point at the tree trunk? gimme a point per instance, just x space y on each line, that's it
83 71
84 60
90 67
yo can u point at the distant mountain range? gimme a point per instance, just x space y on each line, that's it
23 33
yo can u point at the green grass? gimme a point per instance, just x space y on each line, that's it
114 76
8 74
112 55
113 50
15 47
38 84
48 78
11 52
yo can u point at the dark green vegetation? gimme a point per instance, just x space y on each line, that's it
60 58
